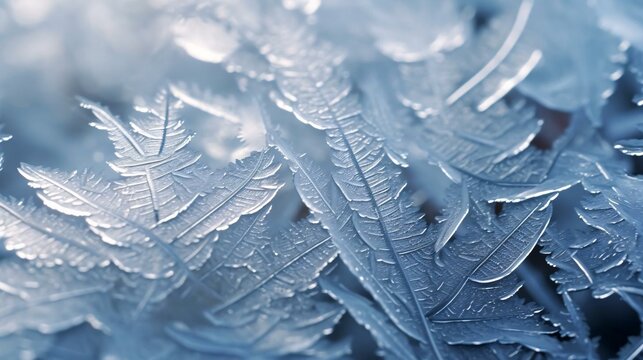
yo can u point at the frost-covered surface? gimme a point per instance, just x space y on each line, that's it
306 179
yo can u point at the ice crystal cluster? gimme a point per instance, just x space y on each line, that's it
306 179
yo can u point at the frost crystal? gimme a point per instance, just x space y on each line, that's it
421 179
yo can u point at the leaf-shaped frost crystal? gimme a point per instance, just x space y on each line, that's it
242 188
44 238
249 270
107 212
48 300
287 326
474 115
380 235
262 303
418 272
162 177
389 338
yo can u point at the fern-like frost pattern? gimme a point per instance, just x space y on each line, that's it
364 179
